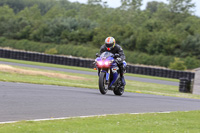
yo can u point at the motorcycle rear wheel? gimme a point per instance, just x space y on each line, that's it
103 88
119 91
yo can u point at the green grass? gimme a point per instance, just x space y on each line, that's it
178 122
80 68
175 122
40 79
46 64
92 82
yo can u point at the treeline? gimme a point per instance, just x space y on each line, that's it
167 30
89 52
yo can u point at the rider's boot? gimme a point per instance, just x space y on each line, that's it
122 71
122 78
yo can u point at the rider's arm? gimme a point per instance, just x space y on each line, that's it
121 53
102 49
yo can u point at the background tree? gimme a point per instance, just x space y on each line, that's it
6 16
153 36
153 6
131 4
181 6
177 65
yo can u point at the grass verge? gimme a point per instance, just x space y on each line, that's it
174 122
38 76
80 68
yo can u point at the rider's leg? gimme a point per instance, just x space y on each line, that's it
123 81
122 70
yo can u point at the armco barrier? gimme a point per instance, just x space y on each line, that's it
160 72
71 61
40 57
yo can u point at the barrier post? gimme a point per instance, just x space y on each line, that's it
185 85
196 87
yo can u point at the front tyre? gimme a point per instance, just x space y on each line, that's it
103 88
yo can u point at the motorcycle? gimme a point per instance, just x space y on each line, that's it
109 73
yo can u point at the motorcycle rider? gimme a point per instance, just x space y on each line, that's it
111 46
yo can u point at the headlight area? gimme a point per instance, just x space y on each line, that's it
103 63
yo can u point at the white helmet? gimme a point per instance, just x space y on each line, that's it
110 43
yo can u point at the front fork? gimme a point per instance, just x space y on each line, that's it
116 76
107 74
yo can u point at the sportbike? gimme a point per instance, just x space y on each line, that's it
109 73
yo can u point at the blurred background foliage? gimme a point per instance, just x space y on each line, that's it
154 36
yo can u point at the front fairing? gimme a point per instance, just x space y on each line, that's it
104 62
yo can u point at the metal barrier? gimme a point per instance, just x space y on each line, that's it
166 73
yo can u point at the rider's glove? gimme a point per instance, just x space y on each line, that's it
119 59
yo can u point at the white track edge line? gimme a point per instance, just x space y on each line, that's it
62 118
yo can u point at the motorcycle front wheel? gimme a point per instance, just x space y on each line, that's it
103 88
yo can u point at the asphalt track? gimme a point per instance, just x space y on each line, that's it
93 73
20 101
